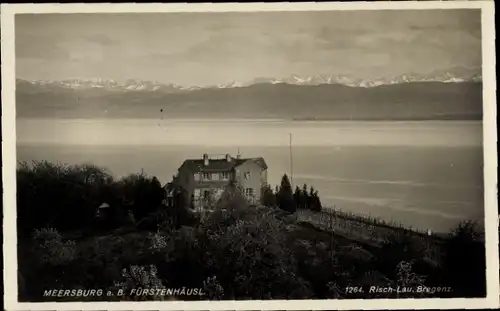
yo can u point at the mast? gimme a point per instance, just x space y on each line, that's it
291 162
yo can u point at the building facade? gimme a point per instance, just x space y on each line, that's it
205 179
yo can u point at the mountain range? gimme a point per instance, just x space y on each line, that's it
442 96
453 75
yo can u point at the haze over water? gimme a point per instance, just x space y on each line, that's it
424 174
248 132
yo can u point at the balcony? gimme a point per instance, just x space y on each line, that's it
212 177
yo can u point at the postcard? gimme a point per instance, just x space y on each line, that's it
280 156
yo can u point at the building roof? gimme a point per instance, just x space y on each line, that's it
197 165
104 205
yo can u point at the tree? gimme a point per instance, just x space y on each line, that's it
268 197
305 197
148 195
191 202
157 191
285 196
297 197
59 195
311 202
316 206
464 261
181 198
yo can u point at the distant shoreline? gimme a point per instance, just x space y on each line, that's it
312 119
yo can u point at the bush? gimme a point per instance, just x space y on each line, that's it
464 261
42 263
234 252
51 249
58 195
406 277
213 288
140 278
66 197
397 248
245 248
158 242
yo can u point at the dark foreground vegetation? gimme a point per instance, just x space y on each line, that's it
239 251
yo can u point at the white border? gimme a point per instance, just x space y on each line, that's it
490 158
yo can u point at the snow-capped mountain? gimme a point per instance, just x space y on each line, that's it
111 85
454 75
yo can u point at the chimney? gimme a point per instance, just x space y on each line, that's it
228 157
205 159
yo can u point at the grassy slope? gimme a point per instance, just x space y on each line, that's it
321 257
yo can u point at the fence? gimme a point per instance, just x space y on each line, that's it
369 230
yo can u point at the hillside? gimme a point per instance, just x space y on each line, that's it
403 101
238 251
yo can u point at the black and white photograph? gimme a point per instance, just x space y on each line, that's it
163 153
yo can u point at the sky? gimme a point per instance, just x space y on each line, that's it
212 48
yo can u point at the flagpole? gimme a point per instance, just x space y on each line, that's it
291 162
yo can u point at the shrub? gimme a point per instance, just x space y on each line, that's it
399 248
58 195
50 247
464 261
213 288
158 242
406 277
66 197
245 248
140 278
43 262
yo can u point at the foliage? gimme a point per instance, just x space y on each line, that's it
238 251
140 277
50 247
301 198
66 197
464 260
268 197
213 288
397 249
284 197
245 247
59 195
158 242
314 203
407 278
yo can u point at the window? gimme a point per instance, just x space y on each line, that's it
206 176
249 192
197 193
215 176
197 177
224 175
206 194
246 175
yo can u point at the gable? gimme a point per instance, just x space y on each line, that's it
252 164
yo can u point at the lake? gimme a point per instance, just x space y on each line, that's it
423 174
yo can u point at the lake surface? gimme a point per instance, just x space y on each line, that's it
422 174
